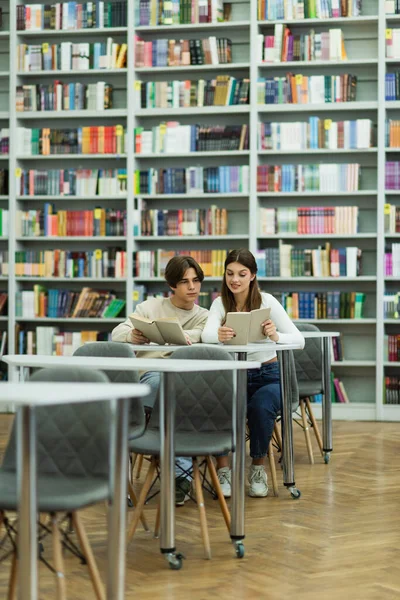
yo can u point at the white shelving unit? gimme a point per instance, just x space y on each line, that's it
363 369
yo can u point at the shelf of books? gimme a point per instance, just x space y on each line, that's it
143 128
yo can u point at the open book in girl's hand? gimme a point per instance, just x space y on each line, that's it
247 325
161 331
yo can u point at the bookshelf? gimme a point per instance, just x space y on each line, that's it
364 367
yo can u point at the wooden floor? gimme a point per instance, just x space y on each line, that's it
341 540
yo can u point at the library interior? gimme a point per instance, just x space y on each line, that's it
221 179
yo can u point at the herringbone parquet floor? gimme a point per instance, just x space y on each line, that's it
341 540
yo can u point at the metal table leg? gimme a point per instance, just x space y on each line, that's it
326 399
287 427
27 503
167 464
238 457
117 512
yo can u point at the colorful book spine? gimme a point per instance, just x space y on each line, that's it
307 89
152 263
192 180
72 182
65 223
305 220
308 178
323 305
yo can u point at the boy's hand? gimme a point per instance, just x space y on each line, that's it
225 334
137 337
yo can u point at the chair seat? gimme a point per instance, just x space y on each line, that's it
309 388
187 443
55 493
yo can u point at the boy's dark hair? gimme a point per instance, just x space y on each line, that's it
177 267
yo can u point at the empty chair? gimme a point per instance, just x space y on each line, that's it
73 471
203 428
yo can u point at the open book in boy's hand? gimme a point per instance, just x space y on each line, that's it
161 331
247 325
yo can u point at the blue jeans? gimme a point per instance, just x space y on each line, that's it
263 405
152 378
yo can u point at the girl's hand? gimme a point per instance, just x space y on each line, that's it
137 337
225 334
189 341
269 330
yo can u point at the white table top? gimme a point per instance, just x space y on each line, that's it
132 364
320 334
228 347
39 393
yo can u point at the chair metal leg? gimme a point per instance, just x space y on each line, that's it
88 553
58 559
221 497
157 523
12 584
315 426
132 494
272 468
306 432
202 510
139 466
142 499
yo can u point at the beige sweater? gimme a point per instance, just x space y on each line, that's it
192 321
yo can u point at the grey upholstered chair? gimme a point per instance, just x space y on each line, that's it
203 428
309 376
137 422
73 472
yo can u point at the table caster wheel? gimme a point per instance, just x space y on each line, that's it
175 561
239 549
327 457
129 502
295 493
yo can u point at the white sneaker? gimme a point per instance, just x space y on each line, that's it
258 482
224 478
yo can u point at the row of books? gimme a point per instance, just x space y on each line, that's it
340 394
309 219
337 350
3 182
392 388
308 178
3 303
152 263
64 223
392 39
171 137
71 182
323 305
187 221
64 263
4 141
180 12
273 10
307 89
315 133
392 348
392 86
50 341
69 56
4 222
55 303
71 15
392 260
392 218
392 175
4 263
391 305
61 96
283 46
177 53
287 261
224 90
192 180
392 133
109 139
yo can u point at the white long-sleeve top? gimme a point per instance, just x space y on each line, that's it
286 330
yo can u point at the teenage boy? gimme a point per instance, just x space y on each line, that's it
184 277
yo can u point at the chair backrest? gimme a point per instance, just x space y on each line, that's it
203 400
72 439
309 360
117 350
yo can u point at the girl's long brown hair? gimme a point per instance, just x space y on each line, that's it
253 300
